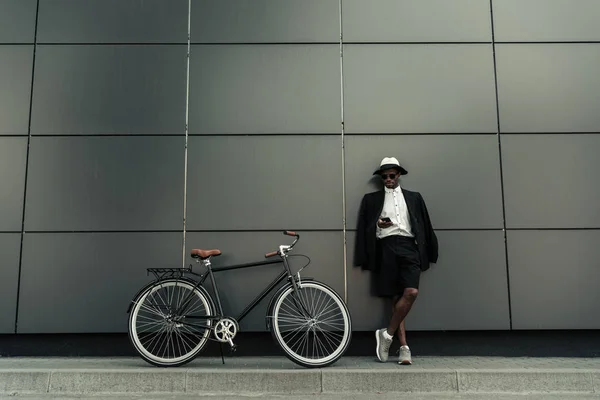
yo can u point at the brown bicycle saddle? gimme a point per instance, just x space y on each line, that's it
204 254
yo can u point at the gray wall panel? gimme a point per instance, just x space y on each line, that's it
105 183
239 287
265 149
109 90
458 176
419 88
550 181
9 276
113 21
546 20
15 88
265 89
465 290
266 182
554 279
13 155
17 21
416 20
260 21
76 283
549 87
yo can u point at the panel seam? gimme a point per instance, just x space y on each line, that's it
250 230
37 8
262 134
503 202
392 42
344 244
185 151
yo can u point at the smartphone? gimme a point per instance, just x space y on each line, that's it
386 219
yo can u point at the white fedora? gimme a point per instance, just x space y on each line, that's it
390 162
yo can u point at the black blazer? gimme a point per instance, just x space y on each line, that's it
365 251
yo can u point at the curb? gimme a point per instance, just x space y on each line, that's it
296 381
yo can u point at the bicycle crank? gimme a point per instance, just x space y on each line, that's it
225 331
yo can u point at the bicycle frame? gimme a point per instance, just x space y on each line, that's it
211 271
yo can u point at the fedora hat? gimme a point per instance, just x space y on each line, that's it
390 162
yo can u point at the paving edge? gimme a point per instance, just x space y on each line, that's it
202 381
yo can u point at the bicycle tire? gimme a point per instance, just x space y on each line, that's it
138 303
277 317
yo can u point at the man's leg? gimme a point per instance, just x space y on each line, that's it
402 330
406 263
404 276
384 338
402 334
400 311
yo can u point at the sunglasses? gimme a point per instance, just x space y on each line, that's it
391 176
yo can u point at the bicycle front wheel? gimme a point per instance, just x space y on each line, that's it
312 325
162 337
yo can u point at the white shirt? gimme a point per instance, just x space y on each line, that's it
394 207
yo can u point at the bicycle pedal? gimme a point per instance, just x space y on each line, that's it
233 348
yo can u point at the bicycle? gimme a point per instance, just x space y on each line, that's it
186 314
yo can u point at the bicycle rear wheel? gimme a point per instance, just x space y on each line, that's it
312 325
159 336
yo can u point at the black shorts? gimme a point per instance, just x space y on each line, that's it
399 266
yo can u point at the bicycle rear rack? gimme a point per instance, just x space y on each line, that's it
166 273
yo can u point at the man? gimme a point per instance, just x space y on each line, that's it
395 240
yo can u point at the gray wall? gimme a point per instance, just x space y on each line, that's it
491 106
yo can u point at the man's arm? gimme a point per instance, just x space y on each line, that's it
360 253
432 242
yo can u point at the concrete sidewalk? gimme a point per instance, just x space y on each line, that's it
278 375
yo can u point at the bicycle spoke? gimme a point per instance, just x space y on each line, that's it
311 324
164 338
156 337
153 310
326 336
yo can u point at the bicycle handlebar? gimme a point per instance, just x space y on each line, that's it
288 233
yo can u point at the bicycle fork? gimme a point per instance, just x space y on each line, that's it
296 292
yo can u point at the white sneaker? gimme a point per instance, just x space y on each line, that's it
383 345
405 357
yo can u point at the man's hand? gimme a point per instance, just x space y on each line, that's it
382 224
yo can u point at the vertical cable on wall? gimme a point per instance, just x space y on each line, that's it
343 151
187 112
501 171
37 9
